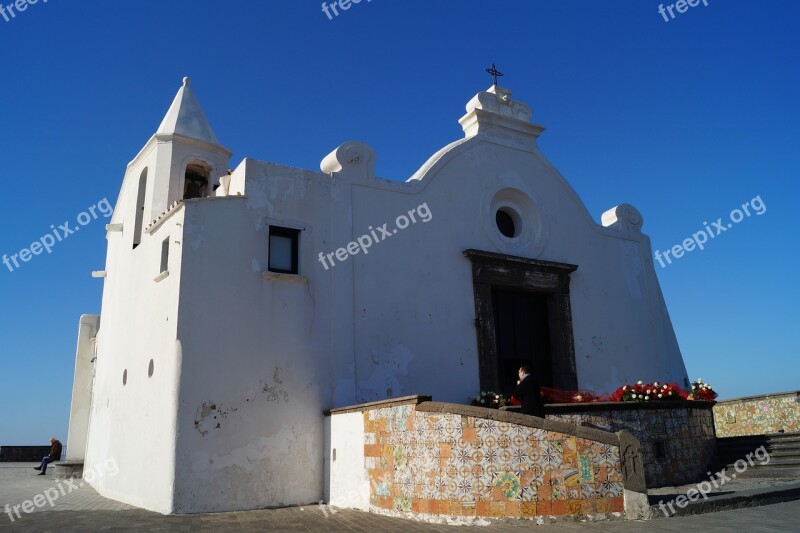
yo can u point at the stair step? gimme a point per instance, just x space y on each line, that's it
768 445
793 437
770 436
786 446
783 450
717 466
781 472
771 453
732 457
745 448
726 442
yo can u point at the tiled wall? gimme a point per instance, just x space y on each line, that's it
465 466
762 415
686 434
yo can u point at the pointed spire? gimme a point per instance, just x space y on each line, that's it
185 117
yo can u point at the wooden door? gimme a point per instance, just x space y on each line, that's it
522 333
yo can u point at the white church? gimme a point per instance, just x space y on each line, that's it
239 305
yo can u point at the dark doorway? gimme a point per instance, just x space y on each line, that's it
522 334
522 316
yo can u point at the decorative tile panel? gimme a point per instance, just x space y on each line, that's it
686 436
762 415
443 464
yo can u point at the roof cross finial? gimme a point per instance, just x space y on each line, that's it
494 73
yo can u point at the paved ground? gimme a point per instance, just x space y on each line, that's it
742 492
20 482
81 509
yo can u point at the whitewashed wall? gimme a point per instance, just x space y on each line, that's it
134 424
255 376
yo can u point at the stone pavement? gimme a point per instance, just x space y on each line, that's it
736 493
20 482
83 510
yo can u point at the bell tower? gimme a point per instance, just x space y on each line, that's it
181 161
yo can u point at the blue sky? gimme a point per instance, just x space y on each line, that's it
685 119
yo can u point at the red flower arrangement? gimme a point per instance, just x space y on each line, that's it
647 392
639 392
702 391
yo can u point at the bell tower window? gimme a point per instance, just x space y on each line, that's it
139 215
195 184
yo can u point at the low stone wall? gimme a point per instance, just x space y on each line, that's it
758 415
23 454
677 438
434 461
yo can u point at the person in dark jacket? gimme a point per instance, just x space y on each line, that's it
55 455
528 393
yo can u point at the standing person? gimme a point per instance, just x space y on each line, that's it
55 455
528 393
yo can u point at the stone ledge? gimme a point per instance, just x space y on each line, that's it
521 420
554 408
796 394
391 402
69 470
23 454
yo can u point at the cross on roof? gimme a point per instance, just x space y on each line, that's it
494 73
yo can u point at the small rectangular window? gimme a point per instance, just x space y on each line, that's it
283 245
660 449
165 255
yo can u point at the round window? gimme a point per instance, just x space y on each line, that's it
505 223
513 221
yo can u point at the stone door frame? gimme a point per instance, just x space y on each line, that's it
491 270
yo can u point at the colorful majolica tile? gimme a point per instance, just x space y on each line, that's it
571 477
382 489
509 484
585 468
551 457
588 490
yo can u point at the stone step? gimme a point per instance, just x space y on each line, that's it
737 500
771 444
783 450
761 473
769 440
775 456
761 439
769 449
773 465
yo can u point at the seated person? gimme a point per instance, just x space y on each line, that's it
55 455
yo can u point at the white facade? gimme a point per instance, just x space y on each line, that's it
229 413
